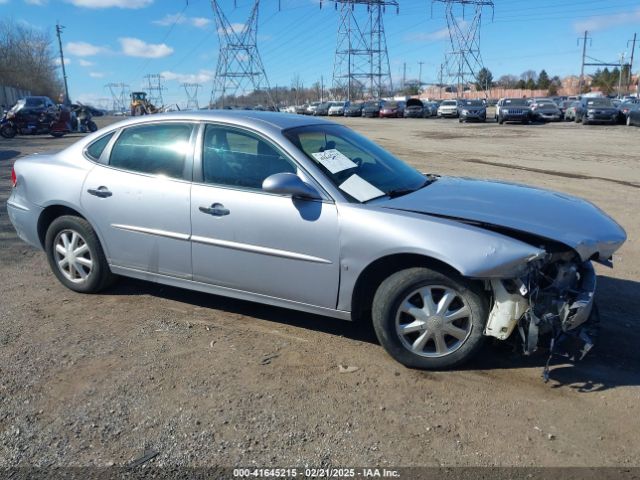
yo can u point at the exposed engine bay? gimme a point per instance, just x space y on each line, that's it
555 296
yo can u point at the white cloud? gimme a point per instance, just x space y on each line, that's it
179 19
39 3
111 3
96 74
234 27
203 76
85 63
134 47
67 61
83 49
3 2
442 34
602 22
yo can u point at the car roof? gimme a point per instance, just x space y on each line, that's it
246 118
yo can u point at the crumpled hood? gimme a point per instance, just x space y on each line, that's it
556 216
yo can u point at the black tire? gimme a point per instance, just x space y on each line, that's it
585 121
8 131
91 125
500 120
628 120
99 275
576 118
57 134
396 289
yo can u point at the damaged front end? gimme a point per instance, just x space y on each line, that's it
554 296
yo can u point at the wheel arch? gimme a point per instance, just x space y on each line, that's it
59 209
374 274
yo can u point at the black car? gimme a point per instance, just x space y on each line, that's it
414 108
472 110
513 110
633 115
372 109
597 110
353 110
322 110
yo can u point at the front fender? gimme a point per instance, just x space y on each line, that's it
368 233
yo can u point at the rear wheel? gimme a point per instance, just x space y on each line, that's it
57 134
76 256
428 319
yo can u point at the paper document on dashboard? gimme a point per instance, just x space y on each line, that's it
333 160
360 189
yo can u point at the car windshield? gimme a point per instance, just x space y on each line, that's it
516 101
599 102
448 103
473 103
358 167
371 104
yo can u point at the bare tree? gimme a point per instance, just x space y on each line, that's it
27 59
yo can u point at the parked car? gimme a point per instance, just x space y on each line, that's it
596 110
372 109
414 108
431 109
545 110
337 108
513 110
322 110
563 105
311 109
301 109
633 115
570 111
35 115
623 110
225 201
353 110
472 110
392 110
448 108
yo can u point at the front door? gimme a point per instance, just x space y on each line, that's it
250 240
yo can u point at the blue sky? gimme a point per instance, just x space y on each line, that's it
122 40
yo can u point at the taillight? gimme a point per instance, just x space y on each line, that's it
14 179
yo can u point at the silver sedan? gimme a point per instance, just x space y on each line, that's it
307 214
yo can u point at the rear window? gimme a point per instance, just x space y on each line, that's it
96 148
159 149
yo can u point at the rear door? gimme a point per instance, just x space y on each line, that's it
138 197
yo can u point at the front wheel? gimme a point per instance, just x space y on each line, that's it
57 134
91 125
76 256
8 131
428 319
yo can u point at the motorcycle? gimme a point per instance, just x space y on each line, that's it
84 121
55 120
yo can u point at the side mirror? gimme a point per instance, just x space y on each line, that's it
289 184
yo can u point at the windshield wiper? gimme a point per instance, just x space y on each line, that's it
398 192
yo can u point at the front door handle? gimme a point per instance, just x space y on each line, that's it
216 209
102 192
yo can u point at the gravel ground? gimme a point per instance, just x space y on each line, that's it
90 380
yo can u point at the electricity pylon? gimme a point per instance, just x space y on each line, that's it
154 88
361 64
463 61
191 89
239 70
119 93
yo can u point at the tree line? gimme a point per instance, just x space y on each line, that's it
28 59
528 80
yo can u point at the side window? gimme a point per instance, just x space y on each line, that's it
159 149
96 148
240 159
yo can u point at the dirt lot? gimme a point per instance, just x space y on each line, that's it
204 380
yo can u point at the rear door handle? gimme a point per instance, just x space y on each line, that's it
102 192
216 209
